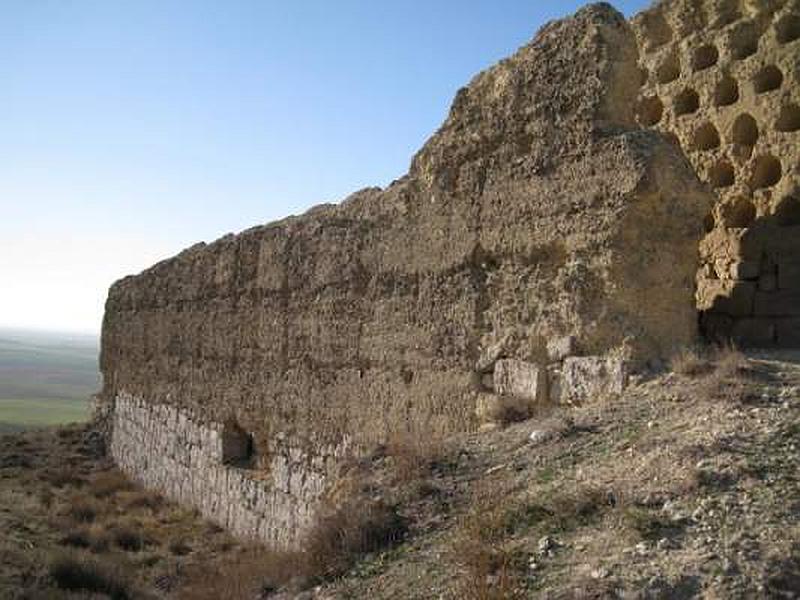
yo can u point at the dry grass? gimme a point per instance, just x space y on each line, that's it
730 362
82 508
413 455
478 547
244 576
137 499
722 371
85 517
729 382
342 534
690 362
109 483
128 536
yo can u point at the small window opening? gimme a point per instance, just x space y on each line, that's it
238 449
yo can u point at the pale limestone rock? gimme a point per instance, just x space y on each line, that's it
520 379
560 348
587 378
489 355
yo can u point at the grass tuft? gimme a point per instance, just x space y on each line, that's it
79 572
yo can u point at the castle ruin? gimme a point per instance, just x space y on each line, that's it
588 205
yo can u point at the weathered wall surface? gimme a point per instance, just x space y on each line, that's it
539 210
166 450
723 78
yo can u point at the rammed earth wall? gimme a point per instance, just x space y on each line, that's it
540 210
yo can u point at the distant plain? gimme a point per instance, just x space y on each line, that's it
45 378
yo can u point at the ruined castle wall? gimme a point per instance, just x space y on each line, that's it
539 210
722 77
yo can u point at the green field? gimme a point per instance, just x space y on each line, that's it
45 378
21 414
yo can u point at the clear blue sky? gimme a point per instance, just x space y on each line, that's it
131 129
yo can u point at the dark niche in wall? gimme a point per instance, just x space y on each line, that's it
238 447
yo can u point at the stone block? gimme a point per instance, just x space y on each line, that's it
789 275
730 244
520 379
754 332
784 244
560 348
768 282
586 378
744 270
734 298
788 333
777 304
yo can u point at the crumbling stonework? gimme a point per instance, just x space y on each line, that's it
539 211
721 78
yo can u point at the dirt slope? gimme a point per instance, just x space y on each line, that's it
684 487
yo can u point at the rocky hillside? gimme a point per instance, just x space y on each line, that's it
686 486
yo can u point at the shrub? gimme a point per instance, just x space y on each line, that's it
413 455
478 547
729 379
78 572
83 509
128 537
179 548
690 362
730 362
340 535
78 538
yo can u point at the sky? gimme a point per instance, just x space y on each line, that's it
132 129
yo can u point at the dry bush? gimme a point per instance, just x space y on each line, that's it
729 381
95 538
484 539
413 454
343 533
80 572
82 508
179 547
690 362
730 363
479 545
128 536
109 483
77 538
141 499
